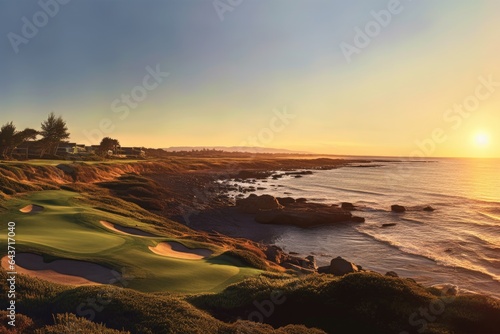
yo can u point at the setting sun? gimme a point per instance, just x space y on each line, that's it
482 139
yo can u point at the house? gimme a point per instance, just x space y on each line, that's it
136 152
92 149
65 149
27 150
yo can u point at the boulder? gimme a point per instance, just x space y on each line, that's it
255 204
398 208
429 208
356 219
305 214
275 254
391 274
389 224
341 267
324 270
347 206
285 201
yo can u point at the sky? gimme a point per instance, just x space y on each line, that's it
396 78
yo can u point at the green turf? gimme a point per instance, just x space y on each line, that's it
67 228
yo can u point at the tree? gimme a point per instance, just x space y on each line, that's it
54 130
7 133
10 138
108 144
22 137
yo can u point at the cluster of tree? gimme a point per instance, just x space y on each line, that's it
108 144
10 138
53 132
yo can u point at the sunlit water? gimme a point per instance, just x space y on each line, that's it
458 243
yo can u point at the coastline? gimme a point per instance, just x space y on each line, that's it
227 219
197 270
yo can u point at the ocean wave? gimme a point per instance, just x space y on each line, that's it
459 197
448 261
355 191
490 216
468 222
415 221
493 210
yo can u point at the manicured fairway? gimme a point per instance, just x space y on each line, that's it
68 229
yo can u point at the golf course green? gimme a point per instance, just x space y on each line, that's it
59 225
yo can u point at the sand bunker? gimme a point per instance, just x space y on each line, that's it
125 230
32 208
177 250
69 272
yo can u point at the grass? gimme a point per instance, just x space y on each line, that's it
45 308
355 303
70 228
168 295
136 189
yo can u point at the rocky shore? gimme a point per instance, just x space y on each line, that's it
289 211
236 202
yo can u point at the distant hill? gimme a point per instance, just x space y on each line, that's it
240 149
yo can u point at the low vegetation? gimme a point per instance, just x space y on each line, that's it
356 303
136 189
116 310
220 294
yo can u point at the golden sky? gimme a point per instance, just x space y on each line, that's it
402 78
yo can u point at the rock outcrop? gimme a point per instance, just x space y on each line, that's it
306 215
347 206
339 267
391 274
288 211
277 255
255 204
398 208
286 201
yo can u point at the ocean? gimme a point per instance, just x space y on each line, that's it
458 243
